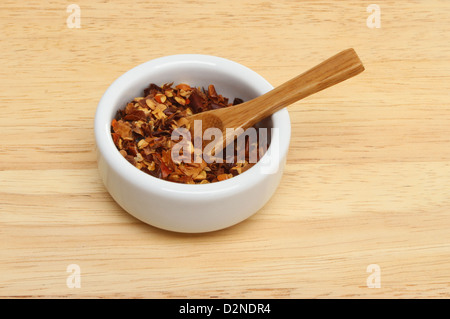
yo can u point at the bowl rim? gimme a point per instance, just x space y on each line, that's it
126 170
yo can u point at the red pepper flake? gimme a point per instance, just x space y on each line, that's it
142 133
183 86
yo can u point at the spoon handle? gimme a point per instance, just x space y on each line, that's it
338 68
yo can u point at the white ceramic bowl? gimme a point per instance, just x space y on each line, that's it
181 207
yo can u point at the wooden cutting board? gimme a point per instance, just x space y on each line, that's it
363 209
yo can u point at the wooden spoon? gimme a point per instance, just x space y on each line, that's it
338 68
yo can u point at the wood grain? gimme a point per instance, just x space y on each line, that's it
367 179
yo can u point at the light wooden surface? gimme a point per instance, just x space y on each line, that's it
367 179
